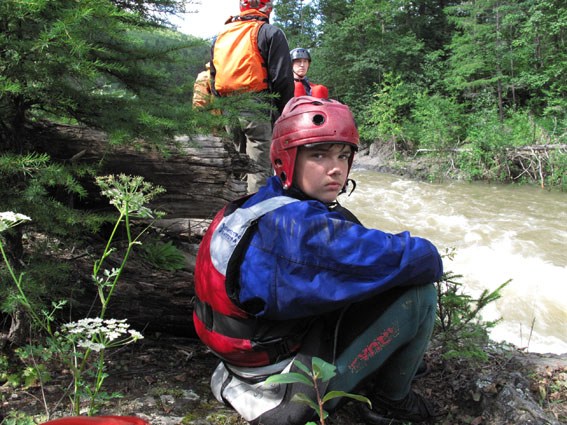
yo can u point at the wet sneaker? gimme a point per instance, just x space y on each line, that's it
413 408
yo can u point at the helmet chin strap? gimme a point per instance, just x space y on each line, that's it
344 189
296 192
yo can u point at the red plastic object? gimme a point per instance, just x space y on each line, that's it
98 420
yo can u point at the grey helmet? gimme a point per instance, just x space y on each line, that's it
300 53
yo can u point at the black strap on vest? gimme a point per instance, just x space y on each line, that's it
347 214
306 85
232 327
277 348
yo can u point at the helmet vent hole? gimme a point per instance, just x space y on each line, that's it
318 119
278 162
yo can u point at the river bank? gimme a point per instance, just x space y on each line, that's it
164 380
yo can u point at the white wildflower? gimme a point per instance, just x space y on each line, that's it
135 335
89 345
11 219
96 334
112 335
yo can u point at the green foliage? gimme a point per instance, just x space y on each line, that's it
437 122
36 372
165 256
94 62
18 418
459 325
298 20
384 115
44 280
321 371
80 346
34 185
493 149
557 177
485 145
481 63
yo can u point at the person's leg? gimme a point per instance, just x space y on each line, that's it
385 343
258 132
318 343
236 134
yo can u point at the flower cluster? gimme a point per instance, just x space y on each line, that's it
97 334
11 219
129 194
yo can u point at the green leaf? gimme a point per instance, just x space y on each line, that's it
334 394
302 398
289 378
302 367
322 369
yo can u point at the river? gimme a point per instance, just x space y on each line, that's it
499 232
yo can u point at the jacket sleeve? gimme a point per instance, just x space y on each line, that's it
310 261
275 51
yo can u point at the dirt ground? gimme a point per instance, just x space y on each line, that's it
164 380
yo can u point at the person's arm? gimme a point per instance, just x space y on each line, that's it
309 261
275 50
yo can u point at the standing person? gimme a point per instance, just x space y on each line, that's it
251 55
301 61
202 94
288 273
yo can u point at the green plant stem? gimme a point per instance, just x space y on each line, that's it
98 264
100 377
319 402
24 299
77 373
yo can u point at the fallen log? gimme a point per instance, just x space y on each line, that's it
198 173
199 176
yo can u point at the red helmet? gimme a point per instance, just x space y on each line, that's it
306 120
264 6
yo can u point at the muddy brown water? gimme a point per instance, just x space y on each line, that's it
499 232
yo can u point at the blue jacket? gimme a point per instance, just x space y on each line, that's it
305 259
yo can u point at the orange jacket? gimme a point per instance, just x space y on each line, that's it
237 59
260 60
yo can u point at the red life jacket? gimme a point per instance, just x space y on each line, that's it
320 91
317 90
220 322
237 61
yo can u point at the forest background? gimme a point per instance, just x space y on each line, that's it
473 80
480 86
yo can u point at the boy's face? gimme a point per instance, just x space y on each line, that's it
300 67
321 170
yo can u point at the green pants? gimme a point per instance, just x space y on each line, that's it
379 342
387 350
252 135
